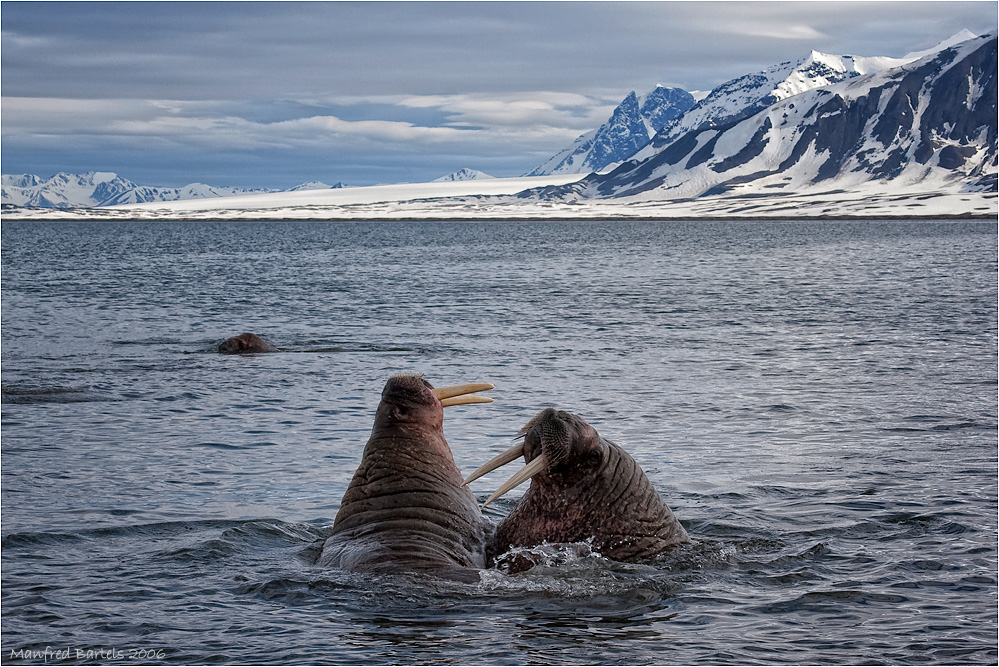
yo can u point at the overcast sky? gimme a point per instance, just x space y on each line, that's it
275 94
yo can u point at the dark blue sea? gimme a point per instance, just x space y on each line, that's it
816 401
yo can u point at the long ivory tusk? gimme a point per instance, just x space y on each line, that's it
497 461
464 400
461 389
528 471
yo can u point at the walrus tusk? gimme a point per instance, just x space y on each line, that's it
464 400
522 475
497 461
461 389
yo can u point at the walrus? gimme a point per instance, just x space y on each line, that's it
406 509
245 343
584 488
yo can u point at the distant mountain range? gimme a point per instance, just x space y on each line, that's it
631 126
462 175
824 122
102 188
820 124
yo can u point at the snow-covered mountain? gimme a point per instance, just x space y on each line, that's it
103 188
925 121
632 124
748 94
316 185
463 174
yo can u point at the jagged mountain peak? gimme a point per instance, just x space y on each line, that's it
316 185
634 121
953 40
463 174
97 188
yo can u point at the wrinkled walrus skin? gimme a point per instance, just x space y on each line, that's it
405 510
245 343
583 489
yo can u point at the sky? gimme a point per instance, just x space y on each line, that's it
273 94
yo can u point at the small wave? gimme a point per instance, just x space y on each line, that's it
924 423
358 347
819 601
29 394
16 540
940 427
290 591
314 347
233 530
243 537
320 345
229 446
892 525
959 425
150 341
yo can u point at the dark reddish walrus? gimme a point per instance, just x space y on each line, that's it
583 489
245 343
406 509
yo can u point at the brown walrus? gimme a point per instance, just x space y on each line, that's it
245 343
406 509
583 489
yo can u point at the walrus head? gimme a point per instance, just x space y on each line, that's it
411 400
555 444
245 343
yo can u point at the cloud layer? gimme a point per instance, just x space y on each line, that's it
271 94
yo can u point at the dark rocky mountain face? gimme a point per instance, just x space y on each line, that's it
664 105
620 136
630 127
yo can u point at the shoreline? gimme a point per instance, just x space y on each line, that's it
954 217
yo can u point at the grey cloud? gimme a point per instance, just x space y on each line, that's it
496 86
245 50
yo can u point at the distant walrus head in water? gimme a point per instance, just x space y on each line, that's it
406 509
583 488
245 343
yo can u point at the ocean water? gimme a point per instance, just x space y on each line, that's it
817 402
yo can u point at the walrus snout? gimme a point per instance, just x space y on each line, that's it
408 397
413 388
552 438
